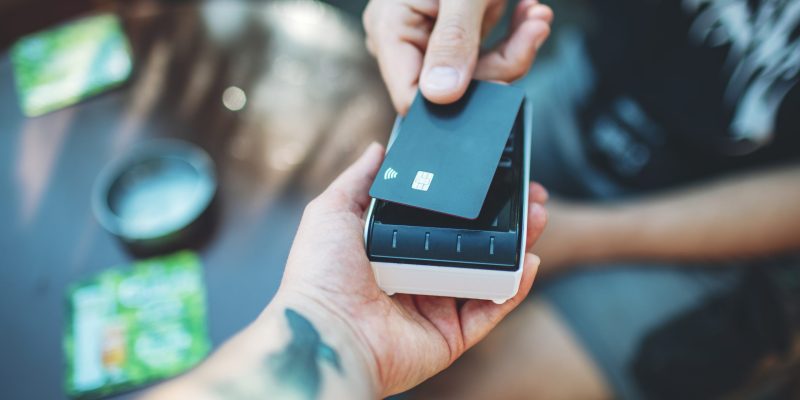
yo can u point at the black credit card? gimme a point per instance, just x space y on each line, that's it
444 157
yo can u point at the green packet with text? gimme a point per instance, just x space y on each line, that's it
131 326
61 66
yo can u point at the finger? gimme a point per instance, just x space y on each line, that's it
443 314
397 34
537 193
353 184
452 50
541 12
530 9
406 303
512 58
493 14
417 35
537 221
479 317
415 24
521 13
400 63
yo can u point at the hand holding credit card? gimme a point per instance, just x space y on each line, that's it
445 156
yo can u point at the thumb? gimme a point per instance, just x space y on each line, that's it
452 50
352 186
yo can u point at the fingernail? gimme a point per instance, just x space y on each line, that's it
441 79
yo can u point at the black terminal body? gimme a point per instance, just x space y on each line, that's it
407 235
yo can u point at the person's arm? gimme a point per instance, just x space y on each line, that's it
330 332
743 216
290 352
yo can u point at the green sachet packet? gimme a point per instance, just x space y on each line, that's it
64 65
131 326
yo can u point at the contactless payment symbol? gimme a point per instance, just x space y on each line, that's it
389 174
422 181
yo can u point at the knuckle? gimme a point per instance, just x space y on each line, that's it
451 37
366 16
325 202
451 31
312 207
335 197
370 47
366 23
373 17
412 19
548 12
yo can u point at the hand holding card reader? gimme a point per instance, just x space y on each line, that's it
449 213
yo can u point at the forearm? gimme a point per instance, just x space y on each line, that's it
741 217
289 352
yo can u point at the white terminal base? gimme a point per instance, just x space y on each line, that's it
497 286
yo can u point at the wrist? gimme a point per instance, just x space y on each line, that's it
359 376
620 232
603 236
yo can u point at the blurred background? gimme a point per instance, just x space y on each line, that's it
281 95
178 141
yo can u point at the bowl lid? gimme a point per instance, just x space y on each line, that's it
155 191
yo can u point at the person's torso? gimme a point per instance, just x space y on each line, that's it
693 88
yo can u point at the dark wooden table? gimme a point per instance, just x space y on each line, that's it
314 101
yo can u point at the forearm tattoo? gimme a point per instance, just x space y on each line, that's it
294 372
298 365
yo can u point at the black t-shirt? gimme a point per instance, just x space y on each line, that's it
688 89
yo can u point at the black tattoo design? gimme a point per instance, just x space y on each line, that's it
298 365
292 373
